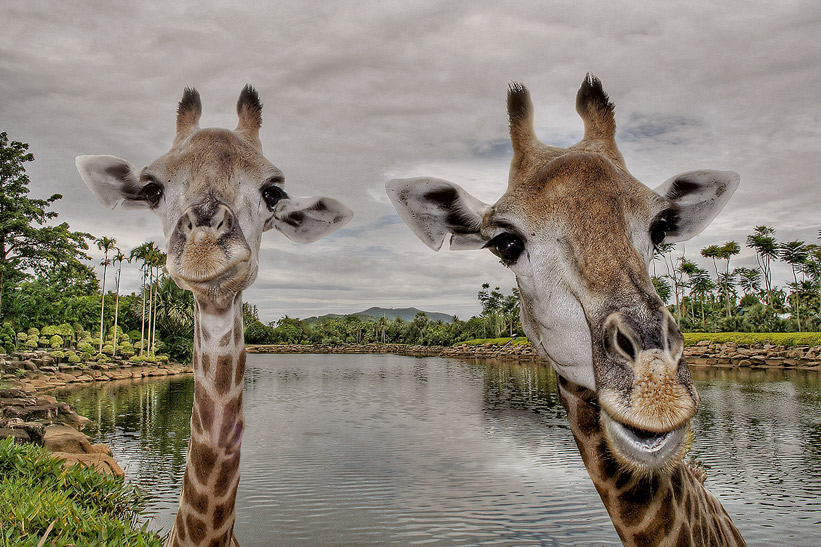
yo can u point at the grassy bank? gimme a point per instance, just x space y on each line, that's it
690 338
46 504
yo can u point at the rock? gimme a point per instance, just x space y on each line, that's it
103 463
63 438
20 436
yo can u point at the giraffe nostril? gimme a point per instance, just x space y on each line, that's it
626 344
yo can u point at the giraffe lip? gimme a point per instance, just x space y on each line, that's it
649 449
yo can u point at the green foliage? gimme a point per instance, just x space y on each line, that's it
56 341
518 341
22 336
773 338
125 349
86 347
108 349
33 331
31 342
79 505
73 358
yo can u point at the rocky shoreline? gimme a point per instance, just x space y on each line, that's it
701 354
30 416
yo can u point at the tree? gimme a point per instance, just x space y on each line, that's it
795 254
118 259
766 250
27 244
105 244
749 279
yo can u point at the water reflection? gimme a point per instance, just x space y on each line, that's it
384 450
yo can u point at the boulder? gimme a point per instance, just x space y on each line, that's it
102 463
63 438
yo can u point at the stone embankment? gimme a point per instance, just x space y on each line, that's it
30 415
703 353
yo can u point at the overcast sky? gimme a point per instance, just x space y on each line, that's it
356 93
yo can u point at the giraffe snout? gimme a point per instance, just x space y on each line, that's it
215 221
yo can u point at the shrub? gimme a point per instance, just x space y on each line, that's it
108 349
49 331
31 342
56 341
85 347
136 359
126 349
162 358
102 359
73 358
82 506
33 331
58 355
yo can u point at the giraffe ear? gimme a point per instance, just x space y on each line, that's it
305 220
696 197
112 181
434 208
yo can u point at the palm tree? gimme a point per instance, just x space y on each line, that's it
105 244
749 279
795 254
156 261
766 250
141 253
118 259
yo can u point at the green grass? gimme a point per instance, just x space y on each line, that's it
774 338
75 506
518 341
690 338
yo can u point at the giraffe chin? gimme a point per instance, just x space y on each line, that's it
221 289
645 452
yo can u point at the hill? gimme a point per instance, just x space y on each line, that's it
406 314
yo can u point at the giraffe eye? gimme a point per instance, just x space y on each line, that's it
663 224
506 246
152 192
272 195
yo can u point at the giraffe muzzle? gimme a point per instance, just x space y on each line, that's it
208 246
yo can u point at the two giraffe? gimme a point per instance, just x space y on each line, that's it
575 227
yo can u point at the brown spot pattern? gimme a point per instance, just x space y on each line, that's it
240 370
227 471
205 361
205 407
225 339
198 501
197 528
224 374
222 511
203 459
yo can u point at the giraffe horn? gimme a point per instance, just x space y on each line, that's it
595 108
189 110
520 113
249 111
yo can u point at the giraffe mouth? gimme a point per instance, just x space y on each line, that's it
645 450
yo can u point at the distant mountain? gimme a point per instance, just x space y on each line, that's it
407 314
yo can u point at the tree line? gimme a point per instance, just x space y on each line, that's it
46 282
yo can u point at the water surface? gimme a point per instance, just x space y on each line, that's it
394 450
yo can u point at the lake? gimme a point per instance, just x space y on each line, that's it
397 450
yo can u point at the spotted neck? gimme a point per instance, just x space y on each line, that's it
206 511
664 509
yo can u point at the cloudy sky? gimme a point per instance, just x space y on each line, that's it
356 93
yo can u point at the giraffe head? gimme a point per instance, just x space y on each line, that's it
215 193
578 230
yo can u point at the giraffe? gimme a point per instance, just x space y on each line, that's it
578 231
215 193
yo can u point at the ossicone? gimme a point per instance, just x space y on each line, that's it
189 110
249 112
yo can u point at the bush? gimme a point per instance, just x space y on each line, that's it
82 506
73 358
126 349
56 341
137 359
31 342
108 349
22 336
85 347
58 355
33 331
49 331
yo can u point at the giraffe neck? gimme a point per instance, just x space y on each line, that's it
206 511
663 509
